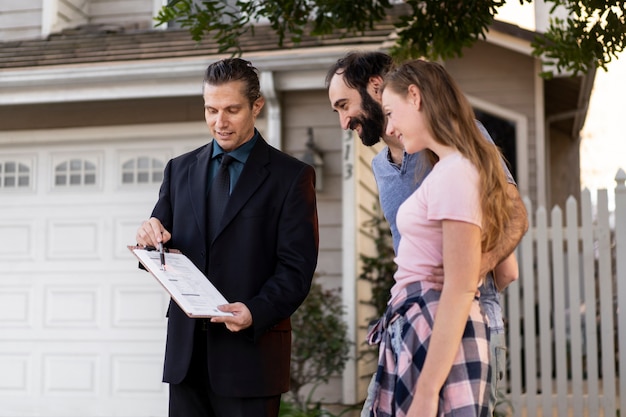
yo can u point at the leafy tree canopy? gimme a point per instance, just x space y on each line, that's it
592 35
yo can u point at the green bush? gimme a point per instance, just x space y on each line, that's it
320 348
378 270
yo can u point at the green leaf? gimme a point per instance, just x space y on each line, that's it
593 35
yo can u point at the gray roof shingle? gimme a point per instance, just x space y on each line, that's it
103 43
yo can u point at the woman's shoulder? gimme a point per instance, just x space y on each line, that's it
455 164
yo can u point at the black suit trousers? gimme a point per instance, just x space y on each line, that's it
194 397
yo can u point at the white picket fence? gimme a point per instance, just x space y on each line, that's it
564 331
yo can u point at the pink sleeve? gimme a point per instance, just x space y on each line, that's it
453 194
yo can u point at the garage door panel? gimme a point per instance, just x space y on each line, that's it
71 373
124 231
139 307
71 306
137 375
15 370
16 307
17 243
74 239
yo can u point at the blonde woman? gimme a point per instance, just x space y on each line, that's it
434 348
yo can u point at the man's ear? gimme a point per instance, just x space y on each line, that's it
258 105
374 84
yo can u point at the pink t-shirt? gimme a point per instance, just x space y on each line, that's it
449 192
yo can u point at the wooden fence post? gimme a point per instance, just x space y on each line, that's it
589 290
620 273
574 266
605 293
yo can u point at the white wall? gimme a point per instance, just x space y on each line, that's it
20 19
31 19
138 12
603 140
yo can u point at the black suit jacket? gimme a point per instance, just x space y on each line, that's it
264 255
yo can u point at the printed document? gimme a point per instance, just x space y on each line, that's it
186 284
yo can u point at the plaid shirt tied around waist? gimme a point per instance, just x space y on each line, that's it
403 334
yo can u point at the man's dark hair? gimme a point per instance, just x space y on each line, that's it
235 69
358 67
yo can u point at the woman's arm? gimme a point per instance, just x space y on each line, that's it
513 233
506 272
461 264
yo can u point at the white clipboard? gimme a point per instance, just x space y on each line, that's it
185 283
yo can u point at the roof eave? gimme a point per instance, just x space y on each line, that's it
511 37
297 69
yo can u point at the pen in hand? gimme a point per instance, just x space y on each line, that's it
162 255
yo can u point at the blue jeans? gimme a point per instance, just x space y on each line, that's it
497 350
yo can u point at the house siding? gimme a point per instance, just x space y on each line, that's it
368 208
20 19
563 169
305 109
135 12
102 113
24 19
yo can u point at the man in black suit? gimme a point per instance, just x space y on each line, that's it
261 257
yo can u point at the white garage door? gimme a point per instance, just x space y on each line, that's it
82 330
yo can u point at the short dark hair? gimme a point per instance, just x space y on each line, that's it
235 69
358 67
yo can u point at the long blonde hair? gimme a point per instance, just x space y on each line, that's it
452 122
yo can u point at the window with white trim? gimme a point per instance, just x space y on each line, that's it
75 172
15 175
142 170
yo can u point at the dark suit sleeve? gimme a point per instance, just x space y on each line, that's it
296 251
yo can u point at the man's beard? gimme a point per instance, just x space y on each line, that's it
372 120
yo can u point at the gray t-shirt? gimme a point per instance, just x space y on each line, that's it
396 183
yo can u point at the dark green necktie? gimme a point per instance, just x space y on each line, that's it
218 196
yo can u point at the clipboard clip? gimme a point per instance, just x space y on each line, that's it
152 248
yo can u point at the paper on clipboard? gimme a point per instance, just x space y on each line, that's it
185 283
